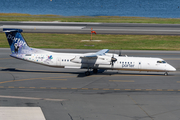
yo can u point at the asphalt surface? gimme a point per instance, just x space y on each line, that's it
100 28
68 94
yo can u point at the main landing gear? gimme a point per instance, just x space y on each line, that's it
95 71
87 73
166 73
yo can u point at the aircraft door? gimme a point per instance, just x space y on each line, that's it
58 61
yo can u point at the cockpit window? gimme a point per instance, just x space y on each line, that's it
161 61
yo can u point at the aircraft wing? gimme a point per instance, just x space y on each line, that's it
99 53
92 58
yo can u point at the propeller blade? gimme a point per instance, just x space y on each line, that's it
113 60
120 52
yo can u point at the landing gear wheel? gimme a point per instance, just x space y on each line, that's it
166 73
95 71
87 73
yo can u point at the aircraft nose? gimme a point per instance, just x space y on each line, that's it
171 68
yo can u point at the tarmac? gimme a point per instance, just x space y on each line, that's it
68 94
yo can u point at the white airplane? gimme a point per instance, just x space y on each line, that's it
101 60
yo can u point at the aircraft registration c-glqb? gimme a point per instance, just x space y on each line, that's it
101 60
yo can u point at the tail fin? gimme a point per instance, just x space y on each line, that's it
16 41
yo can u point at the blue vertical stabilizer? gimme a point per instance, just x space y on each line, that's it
16 41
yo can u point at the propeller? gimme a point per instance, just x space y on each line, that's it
113 59
120 52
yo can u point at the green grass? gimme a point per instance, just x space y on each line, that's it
102 19
73 41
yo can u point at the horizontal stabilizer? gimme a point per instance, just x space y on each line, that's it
12 30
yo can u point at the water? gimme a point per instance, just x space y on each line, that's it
139 8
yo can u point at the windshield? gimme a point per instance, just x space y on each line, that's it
161 61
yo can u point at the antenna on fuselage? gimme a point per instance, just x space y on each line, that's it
120 52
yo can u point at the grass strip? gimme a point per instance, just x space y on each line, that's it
102 19
116 42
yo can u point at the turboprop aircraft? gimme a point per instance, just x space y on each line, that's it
101 60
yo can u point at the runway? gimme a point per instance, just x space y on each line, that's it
100 28
69 94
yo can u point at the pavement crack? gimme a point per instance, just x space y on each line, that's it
12 76
70 116
166 112
88 84
140 107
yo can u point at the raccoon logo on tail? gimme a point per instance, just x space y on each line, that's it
16 41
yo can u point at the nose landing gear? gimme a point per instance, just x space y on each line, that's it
166 73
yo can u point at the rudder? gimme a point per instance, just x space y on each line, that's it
16 40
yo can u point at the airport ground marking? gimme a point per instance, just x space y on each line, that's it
84 88
159 89
127 89
53 79
42 87
170 90
135 75
148 89
74 88
45 78
53 88
117 89
22 87
63 88
10 86
31 98
32 87
104 89
121 80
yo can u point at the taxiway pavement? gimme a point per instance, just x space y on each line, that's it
68 94
100 28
